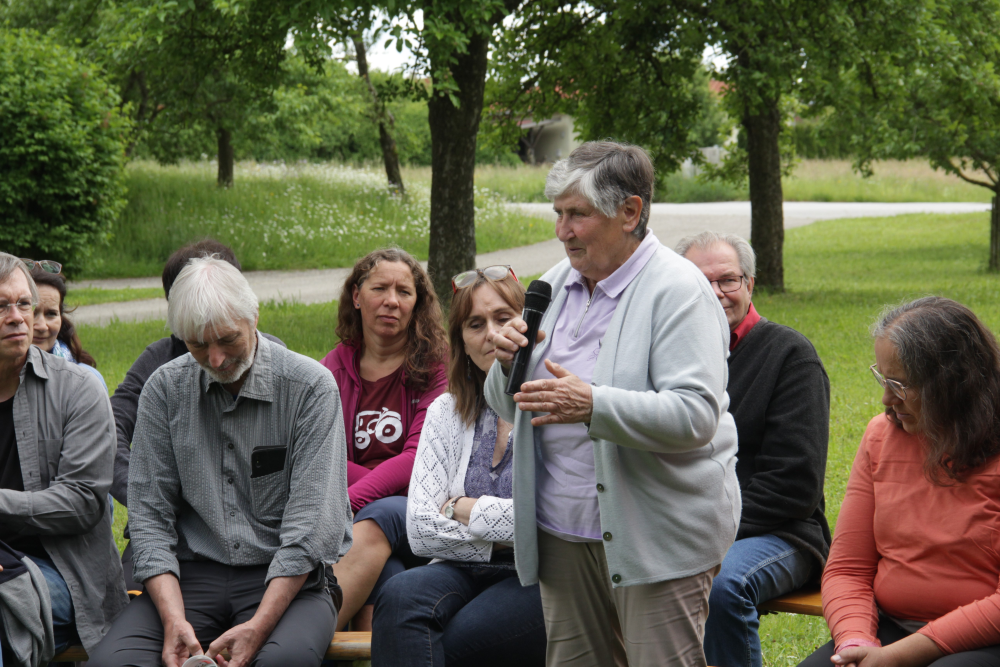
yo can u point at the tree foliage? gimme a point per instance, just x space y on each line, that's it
925 81
621 70
61 151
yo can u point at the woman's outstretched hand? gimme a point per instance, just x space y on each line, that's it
566 398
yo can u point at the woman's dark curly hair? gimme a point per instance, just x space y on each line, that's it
952 359
426 345
67 332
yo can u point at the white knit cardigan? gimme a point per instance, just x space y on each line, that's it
439 474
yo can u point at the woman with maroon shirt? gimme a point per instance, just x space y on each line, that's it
389 367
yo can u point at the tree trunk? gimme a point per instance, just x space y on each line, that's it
453 163
390 155
767 220
995 234
225 138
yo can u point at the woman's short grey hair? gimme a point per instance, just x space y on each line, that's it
705 240
209 292
605 173
8 265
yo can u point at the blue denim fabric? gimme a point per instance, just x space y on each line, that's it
441 614
756 569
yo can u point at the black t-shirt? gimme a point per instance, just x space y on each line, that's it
10 476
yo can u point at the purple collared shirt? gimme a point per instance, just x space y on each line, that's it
566 488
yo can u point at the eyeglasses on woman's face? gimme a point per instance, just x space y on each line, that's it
46 265
892 385
466 278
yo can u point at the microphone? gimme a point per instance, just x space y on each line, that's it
536 300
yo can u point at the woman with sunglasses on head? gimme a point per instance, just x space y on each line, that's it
53 331
912 574
467 607
389 367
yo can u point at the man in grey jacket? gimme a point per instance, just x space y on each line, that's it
57 445
237 491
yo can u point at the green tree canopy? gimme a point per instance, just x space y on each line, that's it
925 81
62 143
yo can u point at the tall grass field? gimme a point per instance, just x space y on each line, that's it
304 216
307 216
810 180
839 275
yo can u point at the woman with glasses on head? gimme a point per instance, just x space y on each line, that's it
389 367
467 607
912 574
53 331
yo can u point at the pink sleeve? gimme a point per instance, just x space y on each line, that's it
969 627
392 476
849 576
355 473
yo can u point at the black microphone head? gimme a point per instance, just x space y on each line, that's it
538 296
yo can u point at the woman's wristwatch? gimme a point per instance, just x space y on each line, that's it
449 509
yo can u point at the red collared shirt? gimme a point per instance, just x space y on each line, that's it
740 332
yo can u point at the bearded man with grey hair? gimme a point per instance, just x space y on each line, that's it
780 398
57 439
237 489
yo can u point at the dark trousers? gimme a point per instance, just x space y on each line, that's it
441 615
889 632
216 598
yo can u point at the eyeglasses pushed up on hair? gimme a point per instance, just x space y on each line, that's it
46 265
892 385
466 278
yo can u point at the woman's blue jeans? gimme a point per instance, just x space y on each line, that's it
440 615
755 570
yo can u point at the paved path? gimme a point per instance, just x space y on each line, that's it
670 222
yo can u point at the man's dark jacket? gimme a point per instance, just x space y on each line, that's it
780 398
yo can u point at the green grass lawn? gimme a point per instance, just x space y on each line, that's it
284 217
839 275
87 296
326 215
811 180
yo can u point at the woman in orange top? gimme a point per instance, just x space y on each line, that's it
912 577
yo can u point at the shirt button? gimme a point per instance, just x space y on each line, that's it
237 546
230 445
617 578
600 488
230 480
232 513
607 537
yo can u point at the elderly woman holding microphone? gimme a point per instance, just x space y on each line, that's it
625 489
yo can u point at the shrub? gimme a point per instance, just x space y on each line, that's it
61 151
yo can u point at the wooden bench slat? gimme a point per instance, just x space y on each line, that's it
804 601
345 646
350 646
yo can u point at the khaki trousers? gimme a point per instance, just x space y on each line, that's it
590 623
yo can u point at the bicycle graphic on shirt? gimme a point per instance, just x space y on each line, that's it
385 425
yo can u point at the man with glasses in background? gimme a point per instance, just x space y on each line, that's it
780 398
57 445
